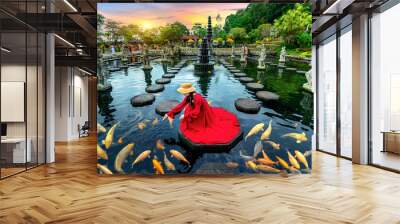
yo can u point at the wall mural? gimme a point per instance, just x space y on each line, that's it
204 88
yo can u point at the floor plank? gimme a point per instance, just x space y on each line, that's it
70 191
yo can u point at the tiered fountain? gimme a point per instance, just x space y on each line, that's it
204 64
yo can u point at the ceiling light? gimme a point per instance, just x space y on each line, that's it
70 5
65 41
5 50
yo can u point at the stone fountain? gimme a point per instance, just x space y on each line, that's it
261 59
203 64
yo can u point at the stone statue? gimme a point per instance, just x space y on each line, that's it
146 60
243 54
308 86
261 59
282 57
233 52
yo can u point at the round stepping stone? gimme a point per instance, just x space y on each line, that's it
163 81
168 76
172 71
155 88
241 74
267 96
255 86
246 79
142 100
235 71
166 106
291 69
247 105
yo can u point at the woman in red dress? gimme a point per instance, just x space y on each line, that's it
201 123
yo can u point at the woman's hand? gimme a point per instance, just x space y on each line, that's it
170 119
165 117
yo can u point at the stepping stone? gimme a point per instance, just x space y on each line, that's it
238 75
236 71
210 147
246 79
168 76
172 71
254 86
142 100
291 69
155 88
163 81
301 72
246 105
267 96
166 106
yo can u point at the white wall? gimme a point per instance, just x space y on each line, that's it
71 102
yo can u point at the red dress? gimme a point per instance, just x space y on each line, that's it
203 124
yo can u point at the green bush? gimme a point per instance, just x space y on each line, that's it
304 40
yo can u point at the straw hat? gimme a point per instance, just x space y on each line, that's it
186 88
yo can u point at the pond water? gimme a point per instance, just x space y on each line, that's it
293 112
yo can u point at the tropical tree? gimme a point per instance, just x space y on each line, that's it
112 28
293 23
239 34
173 32
200 31
129 32
256 14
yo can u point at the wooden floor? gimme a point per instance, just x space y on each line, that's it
70 191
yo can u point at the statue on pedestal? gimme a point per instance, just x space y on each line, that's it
261 59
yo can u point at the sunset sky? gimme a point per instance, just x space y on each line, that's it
149 15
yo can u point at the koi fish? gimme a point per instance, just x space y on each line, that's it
141 125
101 153
110 135
301 158
157 166
160 144
293 161
266 160
155 121
104 169
121 156
142 156
251 165
231 165
100 128
255 130
257 149
282 162
120 140
299 137
274 145
267 168
245 157
178 156
168 164
267 132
